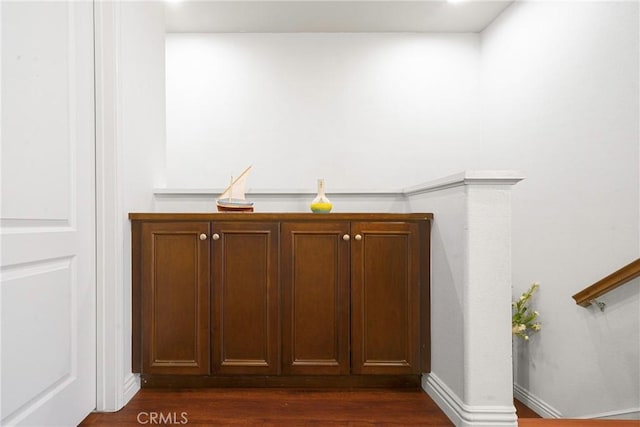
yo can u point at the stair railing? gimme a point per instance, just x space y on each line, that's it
589 295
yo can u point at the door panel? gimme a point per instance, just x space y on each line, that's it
175 303
48 211
315 281
245 298
385 299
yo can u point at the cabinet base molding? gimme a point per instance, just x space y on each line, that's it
320 381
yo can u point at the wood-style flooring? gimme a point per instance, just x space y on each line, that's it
280 407
299 407
277 407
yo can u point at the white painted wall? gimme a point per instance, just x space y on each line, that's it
364 111
283 201
141 133
448 258
561 98
555 85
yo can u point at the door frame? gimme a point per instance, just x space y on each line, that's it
114 386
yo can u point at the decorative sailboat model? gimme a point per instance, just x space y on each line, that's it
232 198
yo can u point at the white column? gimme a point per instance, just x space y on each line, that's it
130 140
109 219
471 375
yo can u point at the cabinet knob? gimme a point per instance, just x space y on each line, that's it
358 237
215 236
203 236
346 237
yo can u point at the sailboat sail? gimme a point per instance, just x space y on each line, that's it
237 188
232 198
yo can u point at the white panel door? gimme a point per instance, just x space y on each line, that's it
47 221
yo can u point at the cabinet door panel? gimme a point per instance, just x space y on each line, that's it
385 299
175 303
315 286
245 298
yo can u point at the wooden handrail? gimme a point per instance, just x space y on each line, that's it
612 281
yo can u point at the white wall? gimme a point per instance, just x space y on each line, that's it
364 111
561 101
204 201
448 258
555 85
141 128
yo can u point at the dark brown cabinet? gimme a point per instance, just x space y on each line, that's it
244 332
275 299
315 298
175 304
385 298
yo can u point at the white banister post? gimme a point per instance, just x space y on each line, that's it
471 375
487 298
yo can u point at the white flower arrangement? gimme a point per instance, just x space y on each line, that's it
523 321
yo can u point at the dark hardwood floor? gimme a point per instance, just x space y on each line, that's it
276 407
300 407
523 411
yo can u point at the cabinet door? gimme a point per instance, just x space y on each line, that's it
175 298
315 298
245 298
385 299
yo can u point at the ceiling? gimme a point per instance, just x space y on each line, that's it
264 16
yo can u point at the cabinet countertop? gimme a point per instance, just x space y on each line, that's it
273 216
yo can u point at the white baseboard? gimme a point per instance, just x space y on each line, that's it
545 410
624 414
131 387
533 402
463 415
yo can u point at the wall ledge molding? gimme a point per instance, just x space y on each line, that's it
463 415
472 177
478 177
292 192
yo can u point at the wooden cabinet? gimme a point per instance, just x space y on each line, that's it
351 298
385 298
315 298
244 332
273 299
175 298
